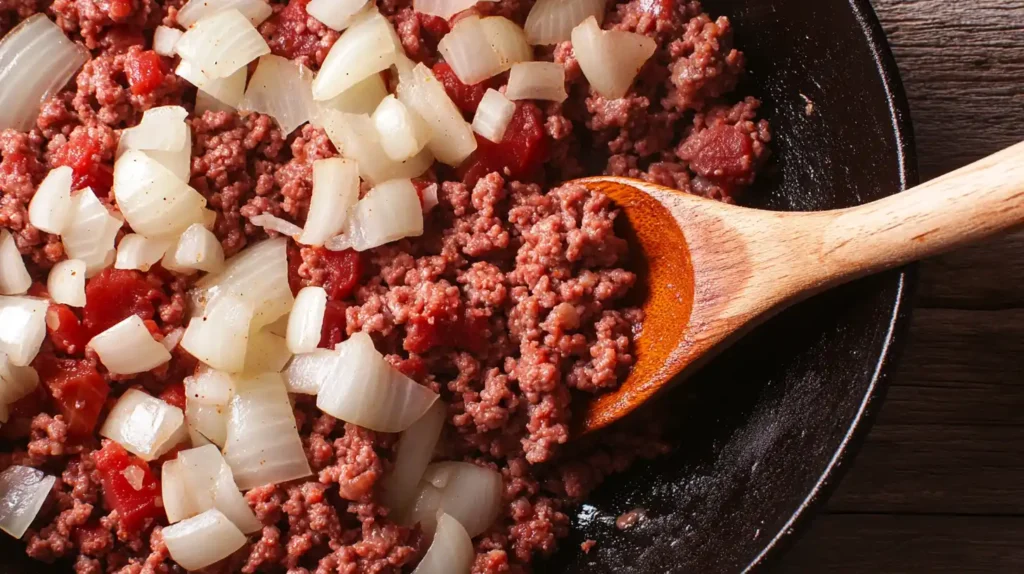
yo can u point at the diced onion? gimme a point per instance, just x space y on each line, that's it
451 551
452 139
358 140
153 200
171 339
362 98
91 233
423 510
22 328
162 128
210 421
66 283
402 132
165 38
281 89
552 21
413 454
267 353
335 191
207 103
444 8
467 50
178 162
128 348
259 276
14 277
222 43
220 336
23 490
507 40
210 387
536 81
336 14
212 485
304 373
389 212
202 540
263 444
144 425
36 61
276 224
470 493
493 115
140 252
365 390
610 59
364 49
15 382
178 503
195 10
306 319
228 91
429 197
198 248
50 208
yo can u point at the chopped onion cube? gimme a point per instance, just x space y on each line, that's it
306 319
335 191
305 372
444 8
423 510
171 340
219 337
259 276
144 425
22 328
362 98
451 551
402 132
507 40
198 248
165 38
281 89
162 128
364 49
210 387
276 224
263 444
610 59
50 208
66 283
23 490
140 252
336 14
359 141
194 10
209 421
91 233
15 382
228 91
537 81
364 389
413 454
154 201
212 485
178 502
467 50
128 348
222 43
389 212
451 139
493 115
470 493
267 353
202 540
14 277
552 21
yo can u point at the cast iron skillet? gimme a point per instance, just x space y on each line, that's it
764 431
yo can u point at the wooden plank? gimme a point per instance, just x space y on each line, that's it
985 276
884 544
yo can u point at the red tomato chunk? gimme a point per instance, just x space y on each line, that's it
65 329
78 391
723 153
466 97
113 296
145 71
82 155
344 269
519 155
136 507
333 330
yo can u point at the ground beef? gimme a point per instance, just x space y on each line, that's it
512 305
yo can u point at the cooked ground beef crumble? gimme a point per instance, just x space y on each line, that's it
511 306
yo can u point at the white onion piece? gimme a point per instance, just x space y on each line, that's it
15 382
335 191
179 504
276 224
195 10
263 444
537 81
366 48
221 44
451 551
128 348
210 387
468 51
14 277
306 319
22 328
507 40
257 275
412 455
209 421
493 115
362 98
267 353
304 373
144 425
364 389
423 509
444 8
36 61
164 40
171 339
91 233
139 252
66 283
154 201
452 139
219 337
212 485
610 59
23 490
50 208
170 263
196 438
228 91
358 140
402 132
198 248
336 14
207 103
281 89
470 493
429 198
552 21
161 128
178 162
389 212
202 540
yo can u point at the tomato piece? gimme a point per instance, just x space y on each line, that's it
114 295
466 97
294 262
78 391
434 26
291 37
521 152
466 332
66 331
82 155
721 152
174 395
137 508
344 268
120 10
145 71
658 8
333 330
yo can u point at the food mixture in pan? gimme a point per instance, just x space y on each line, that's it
298 287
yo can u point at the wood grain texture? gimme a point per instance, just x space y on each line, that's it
939 483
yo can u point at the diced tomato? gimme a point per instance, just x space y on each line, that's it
467 332
434 27
174 395
81 154
721 152
294 262
657 8
466 97
77 389
291 37
520 154
145 71
413 367
333 330
136 507
119 10
38 289
66 331
114 295
344 268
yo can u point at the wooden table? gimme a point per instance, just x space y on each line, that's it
939 483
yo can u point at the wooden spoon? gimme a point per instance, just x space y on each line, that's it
713 271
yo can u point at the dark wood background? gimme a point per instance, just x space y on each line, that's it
939 483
